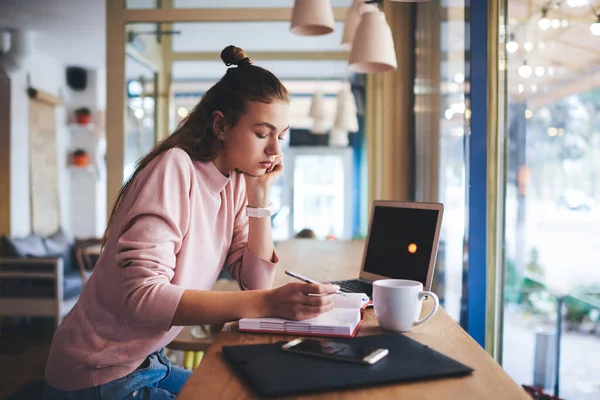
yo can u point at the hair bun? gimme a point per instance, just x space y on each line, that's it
232 55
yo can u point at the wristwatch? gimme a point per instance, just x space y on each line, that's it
259 212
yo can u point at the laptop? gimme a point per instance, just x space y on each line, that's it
402 243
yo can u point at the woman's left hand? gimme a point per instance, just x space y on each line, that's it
257 187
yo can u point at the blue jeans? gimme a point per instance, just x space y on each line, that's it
155 379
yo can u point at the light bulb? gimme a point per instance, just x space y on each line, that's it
577 3
544 23
595 28
539 71
525 70
512 46
182 112
528 46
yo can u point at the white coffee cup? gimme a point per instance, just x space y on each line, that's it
397 303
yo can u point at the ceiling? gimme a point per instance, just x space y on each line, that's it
72 31
140 4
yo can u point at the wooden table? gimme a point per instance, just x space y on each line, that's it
213 379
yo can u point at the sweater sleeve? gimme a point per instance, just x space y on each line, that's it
150 236
249 270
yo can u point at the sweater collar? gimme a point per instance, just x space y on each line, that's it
214 180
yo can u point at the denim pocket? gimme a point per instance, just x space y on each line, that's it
146 364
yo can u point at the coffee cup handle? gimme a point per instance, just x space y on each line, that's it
436 305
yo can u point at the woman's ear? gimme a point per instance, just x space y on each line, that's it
218 124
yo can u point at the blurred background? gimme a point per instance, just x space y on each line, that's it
88 87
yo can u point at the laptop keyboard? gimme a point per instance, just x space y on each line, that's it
355 286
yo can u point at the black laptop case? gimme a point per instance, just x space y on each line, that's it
270 371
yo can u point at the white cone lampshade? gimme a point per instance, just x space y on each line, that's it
351 23
346 115
318 112
373 45
338 137
346 119
312 17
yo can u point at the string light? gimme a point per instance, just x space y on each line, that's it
539 71
544 23
525 70
595 27
512 46
577 3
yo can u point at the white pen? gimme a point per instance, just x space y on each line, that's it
307 280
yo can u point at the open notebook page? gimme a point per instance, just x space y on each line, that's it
350 300
342 320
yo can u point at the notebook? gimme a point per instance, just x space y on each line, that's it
401 243
271 371
342 321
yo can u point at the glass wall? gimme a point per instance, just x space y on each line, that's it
441 126
140 113
454 124
551 324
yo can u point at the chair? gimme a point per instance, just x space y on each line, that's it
87 252
193 341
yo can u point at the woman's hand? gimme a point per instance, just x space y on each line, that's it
257 187
292 301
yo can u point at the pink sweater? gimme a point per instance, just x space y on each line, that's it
180 223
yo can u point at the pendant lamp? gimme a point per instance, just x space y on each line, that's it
312 17
346 119
373 45
318 112
351 23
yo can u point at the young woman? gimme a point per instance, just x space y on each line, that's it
188 211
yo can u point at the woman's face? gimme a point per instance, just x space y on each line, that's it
254 143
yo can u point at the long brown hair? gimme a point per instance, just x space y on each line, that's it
240 85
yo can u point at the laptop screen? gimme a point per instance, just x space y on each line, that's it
400 242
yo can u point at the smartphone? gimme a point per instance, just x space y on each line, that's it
336 350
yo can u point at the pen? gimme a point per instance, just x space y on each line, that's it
307 280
